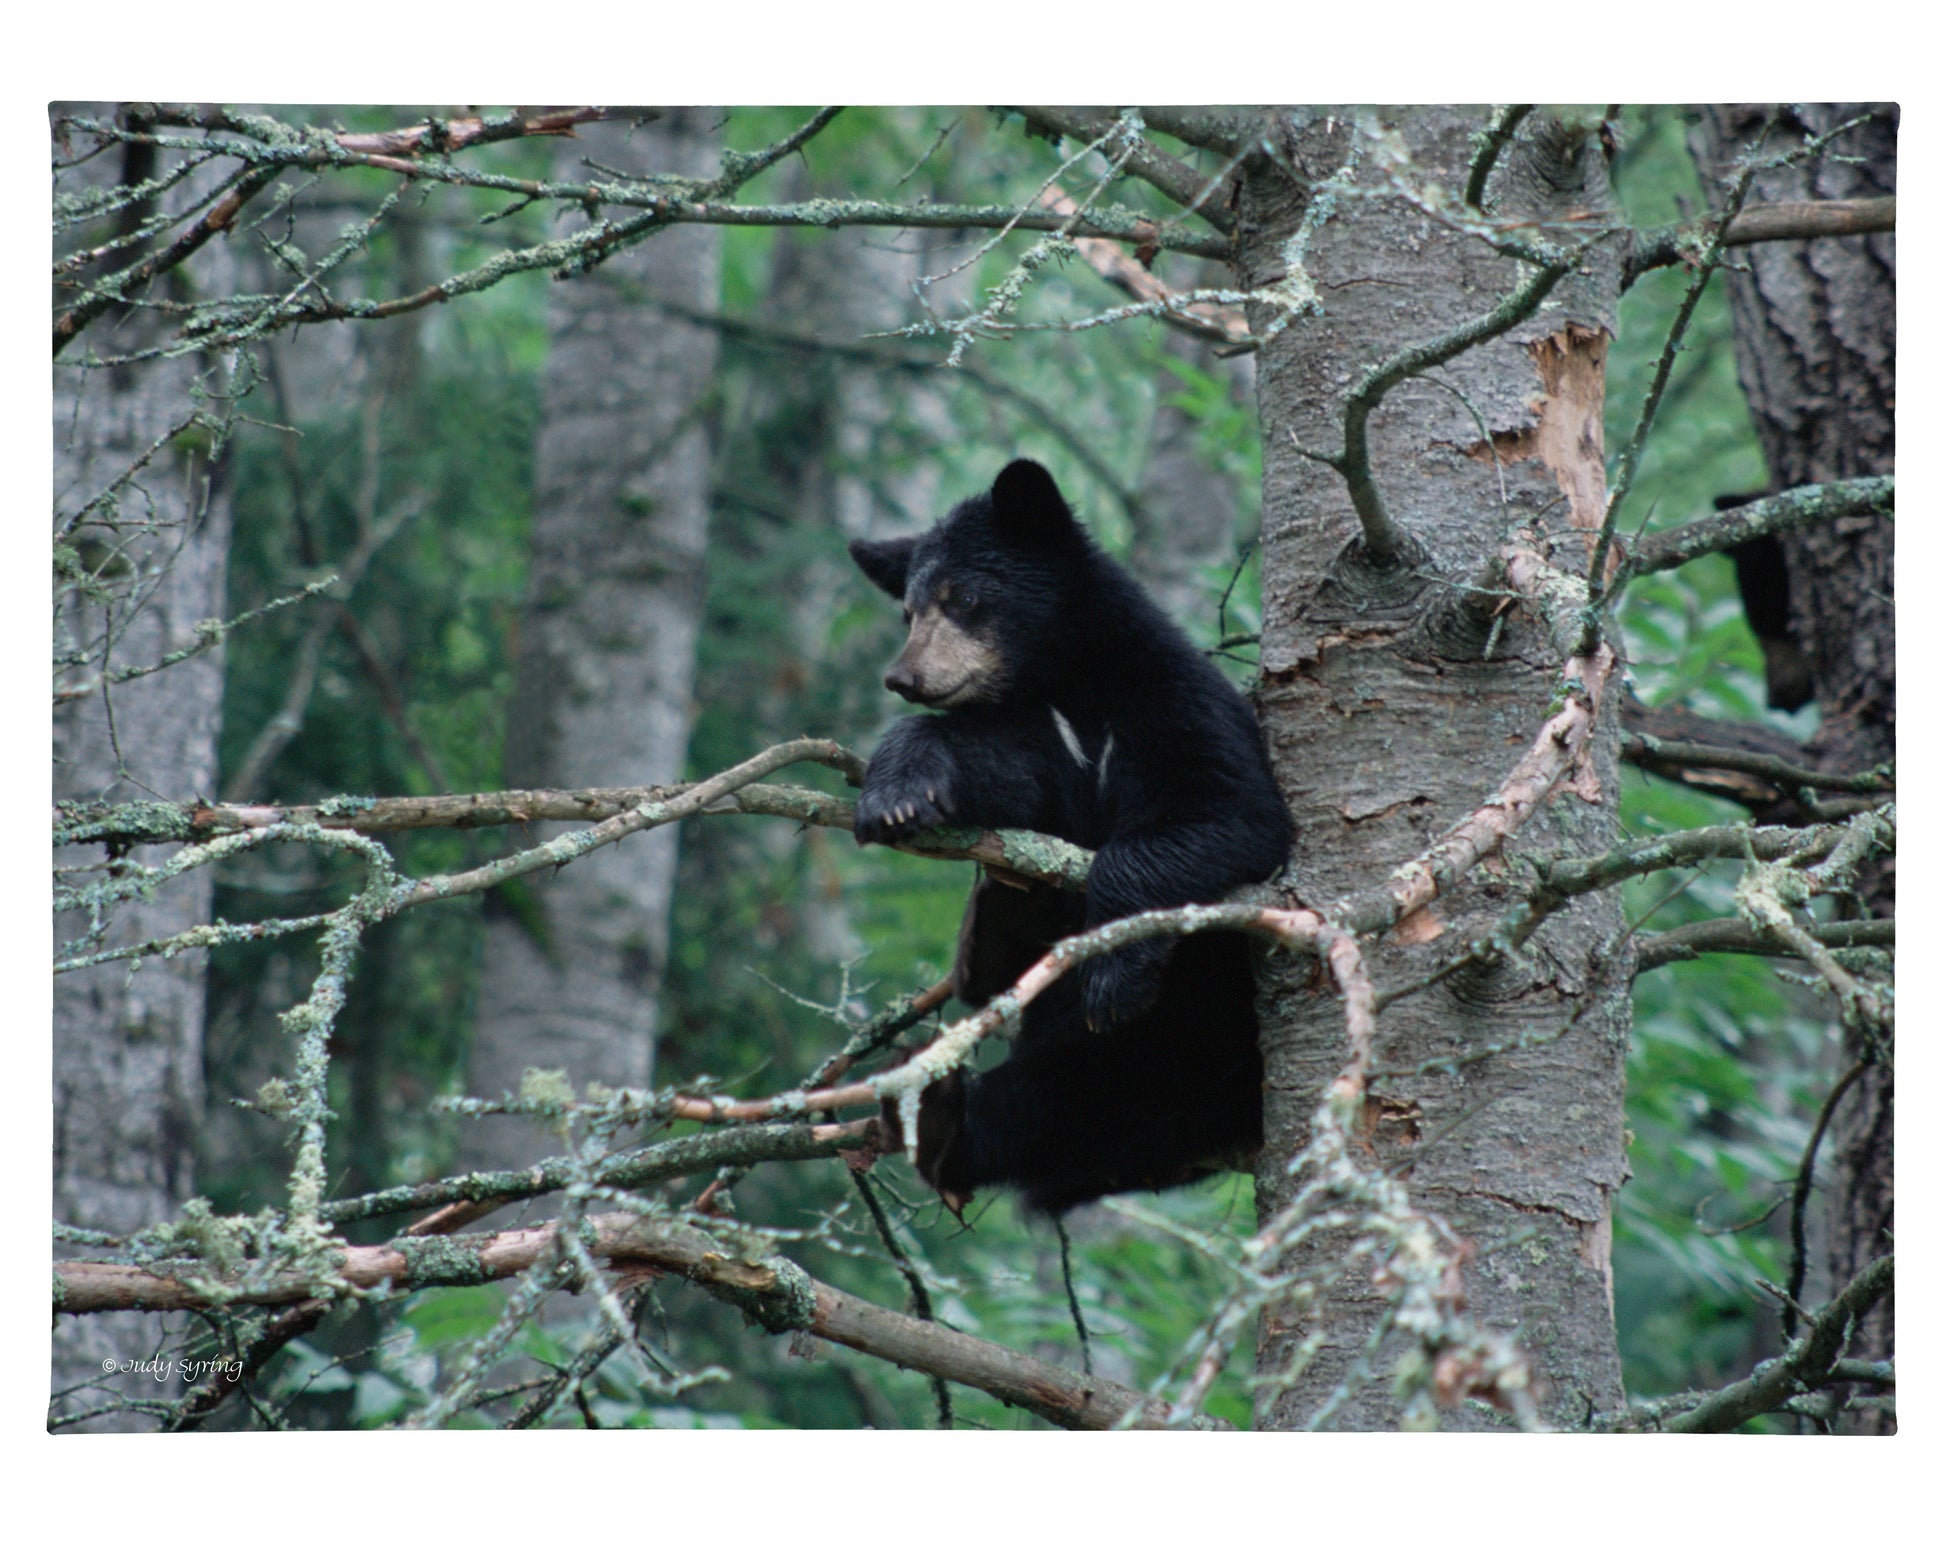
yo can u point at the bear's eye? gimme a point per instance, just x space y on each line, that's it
960 604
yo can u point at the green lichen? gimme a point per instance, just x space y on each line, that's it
432 1261
789 1305
274 1097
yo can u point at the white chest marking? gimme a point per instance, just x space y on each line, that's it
1069 737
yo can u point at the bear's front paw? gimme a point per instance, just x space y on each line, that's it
1119 986
890 812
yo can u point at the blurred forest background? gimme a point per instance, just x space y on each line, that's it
412 458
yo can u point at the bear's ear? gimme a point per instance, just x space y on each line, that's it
885 562
1027 505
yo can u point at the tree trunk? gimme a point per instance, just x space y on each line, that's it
1815 340
607 651
1390 717
128 1044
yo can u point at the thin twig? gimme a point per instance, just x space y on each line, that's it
1801 1193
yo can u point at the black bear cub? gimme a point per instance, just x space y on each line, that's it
1068 703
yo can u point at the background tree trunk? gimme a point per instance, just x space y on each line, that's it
1387 724
1816 355
573 961
1190 523
827 441
128 1072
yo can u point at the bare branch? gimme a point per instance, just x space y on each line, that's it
1765 222
288 719
1684 944
1689 731
1631 456
878 356
1222 129
1209 320
1644 748
1801 1192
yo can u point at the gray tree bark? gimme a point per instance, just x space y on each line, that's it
1815 339
1387 723
607 648
128 1044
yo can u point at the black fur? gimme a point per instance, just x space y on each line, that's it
1764 586
1142 1071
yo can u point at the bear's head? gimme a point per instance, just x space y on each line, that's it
986 591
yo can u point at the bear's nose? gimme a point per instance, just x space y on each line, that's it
901 681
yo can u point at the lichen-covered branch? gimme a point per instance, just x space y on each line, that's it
1492 140
770 1290
624 1169
1174 178
1774 515
1764 896
207 634
102 294
263 162
1812 1362
955 1045
1040 857
264 148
